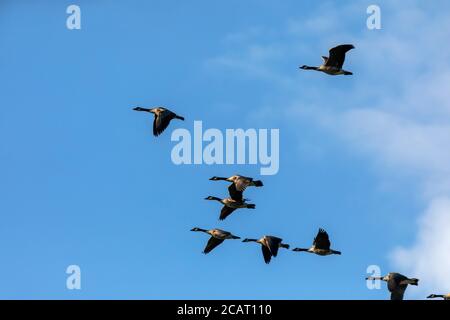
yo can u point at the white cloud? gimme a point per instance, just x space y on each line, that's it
429 259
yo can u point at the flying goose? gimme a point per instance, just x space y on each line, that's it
332 65
238 185
269 246
229 205
397 284
321 245
443 296
217 237
162 119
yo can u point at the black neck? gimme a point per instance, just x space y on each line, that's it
141 109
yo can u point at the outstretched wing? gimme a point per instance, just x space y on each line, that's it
322 241
234 193
273 243
395 287
212 243
162 121
266 254
225 212
398 293
337 55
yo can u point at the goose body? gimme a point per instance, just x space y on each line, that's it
217 237
397 284
321 245
230 205
162 118
238 185
269 246
333 64
443 296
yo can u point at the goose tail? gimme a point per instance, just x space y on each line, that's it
258 183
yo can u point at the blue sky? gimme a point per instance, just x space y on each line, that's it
84 182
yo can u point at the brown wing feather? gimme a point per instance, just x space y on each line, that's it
234 193
225 212
212 243
266 254
322 241
337 56
274 244
162 121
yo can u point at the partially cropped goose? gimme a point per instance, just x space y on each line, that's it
238 185
397 284
217 237
269 246
332 65
321 245
162 119
443 296
229 205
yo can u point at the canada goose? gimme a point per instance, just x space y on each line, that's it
269 246
162 119
239 184
332 65
397 284
217 237
229 205
321 245
443 296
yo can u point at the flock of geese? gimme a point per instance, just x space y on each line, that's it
332 65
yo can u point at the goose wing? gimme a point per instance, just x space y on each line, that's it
242 182
162 120
398 293
266 254
273 243
212 243
235 194
337 55
225 212
397 290
322 241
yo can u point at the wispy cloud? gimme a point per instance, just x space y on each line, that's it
428 258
